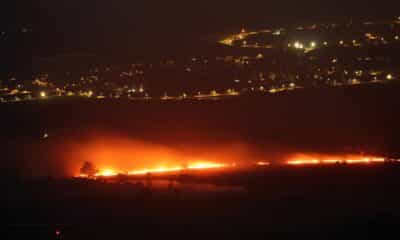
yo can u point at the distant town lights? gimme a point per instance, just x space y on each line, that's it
43 94
277 33
298 45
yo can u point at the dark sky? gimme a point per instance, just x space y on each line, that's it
133 25
187 15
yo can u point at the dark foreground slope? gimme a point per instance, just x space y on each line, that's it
328 203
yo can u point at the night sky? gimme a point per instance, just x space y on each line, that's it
142 28
184 16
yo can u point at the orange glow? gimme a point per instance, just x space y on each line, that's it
303 162
193 166
263 163
113 155
378 160
155 170
331 161
302 159
163 169
107 173
206 165
361 160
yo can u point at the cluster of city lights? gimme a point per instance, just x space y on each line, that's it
302 46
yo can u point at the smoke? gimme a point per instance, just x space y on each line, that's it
64 156
110 151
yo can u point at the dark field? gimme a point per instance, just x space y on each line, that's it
316 203
320 202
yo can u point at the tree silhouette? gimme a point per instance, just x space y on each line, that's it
88 169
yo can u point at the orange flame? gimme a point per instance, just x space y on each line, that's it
310 160
263 163
108 172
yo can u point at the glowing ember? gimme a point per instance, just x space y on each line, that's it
354 161
162 169
379 160
107 173
305 160
156 170
195 166
205 165
263 163
331 161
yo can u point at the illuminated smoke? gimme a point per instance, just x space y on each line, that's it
113 155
